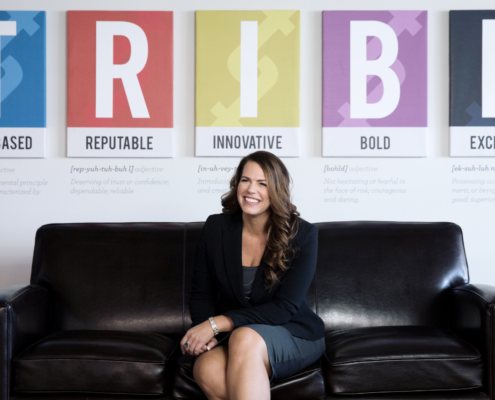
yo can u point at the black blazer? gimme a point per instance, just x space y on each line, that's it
217 287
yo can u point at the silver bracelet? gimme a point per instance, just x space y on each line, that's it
213 326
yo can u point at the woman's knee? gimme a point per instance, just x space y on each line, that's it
245 340
247 346
210 374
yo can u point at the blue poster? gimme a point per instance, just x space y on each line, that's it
22 83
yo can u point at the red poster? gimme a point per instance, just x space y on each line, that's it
120 83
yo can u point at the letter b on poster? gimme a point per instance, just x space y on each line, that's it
374 83
120 83
380 67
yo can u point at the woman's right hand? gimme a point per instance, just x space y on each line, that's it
210 345
197 338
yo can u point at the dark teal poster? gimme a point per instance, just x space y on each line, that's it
472 83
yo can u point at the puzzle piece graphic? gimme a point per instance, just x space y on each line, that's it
12 78
25 22
474 110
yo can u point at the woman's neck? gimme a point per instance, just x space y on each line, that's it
255 226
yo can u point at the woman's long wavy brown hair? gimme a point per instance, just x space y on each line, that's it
283 223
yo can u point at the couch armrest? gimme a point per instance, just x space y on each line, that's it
472 317
24 319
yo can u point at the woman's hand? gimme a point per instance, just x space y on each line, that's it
197 339
209 346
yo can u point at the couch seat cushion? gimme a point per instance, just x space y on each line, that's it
399 359
95 362
307 384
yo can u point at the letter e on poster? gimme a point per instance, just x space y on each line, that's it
120 84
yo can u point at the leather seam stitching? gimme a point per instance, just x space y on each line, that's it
21 293
464 341
411 391
474 293
21 360
5 391
464 253
405 360
84 391
302 374
9 349
490 355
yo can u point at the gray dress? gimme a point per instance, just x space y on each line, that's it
288 354
248 279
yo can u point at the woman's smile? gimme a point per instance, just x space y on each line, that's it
251 200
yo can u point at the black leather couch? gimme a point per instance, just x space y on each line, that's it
108 303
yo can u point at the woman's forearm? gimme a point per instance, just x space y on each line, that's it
224 324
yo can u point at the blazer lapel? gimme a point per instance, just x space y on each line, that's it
232 250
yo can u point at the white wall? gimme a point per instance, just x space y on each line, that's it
428 181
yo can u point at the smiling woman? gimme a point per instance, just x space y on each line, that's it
253 266
263 177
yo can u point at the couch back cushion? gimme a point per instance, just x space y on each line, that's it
386 273
113 276
137 276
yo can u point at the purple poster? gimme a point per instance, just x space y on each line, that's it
374 83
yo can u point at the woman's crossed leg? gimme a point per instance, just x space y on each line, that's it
240 371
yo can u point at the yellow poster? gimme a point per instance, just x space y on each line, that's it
247 82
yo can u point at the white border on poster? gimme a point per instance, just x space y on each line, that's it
220 141
143 142
19 136
375 142
472 141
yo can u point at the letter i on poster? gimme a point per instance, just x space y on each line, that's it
247 82
22 84
120 84
374 83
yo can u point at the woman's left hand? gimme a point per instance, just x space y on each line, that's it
197 337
